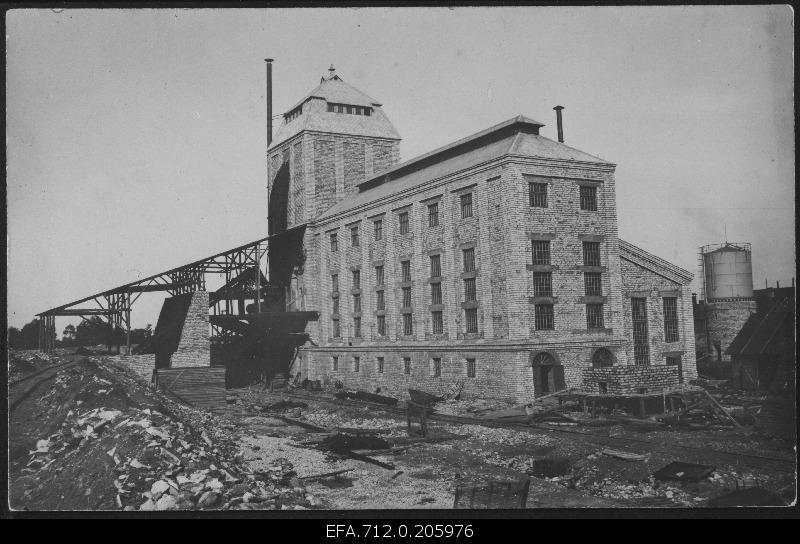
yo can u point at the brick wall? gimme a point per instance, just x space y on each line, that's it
142 365
725 320
194 348
630 379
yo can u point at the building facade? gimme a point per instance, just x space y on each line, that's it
493 262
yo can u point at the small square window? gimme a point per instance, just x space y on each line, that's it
538 195
543 318
593 284
594 316
588 198
541 251
466 205
542 284
403 219
591 253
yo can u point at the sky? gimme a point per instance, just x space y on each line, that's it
136 138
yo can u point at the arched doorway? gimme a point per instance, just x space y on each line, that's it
548 374
602 358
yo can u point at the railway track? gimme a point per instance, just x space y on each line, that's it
634 445
21 389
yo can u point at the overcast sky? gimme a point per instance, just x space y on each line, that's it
136 138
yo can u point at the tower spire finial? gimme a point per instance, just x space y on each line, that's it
332 71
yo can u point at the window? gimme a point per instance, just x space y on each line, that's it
331 107
593 283
437 367
466 205
594 316
406 297
541 251
591 253
542 284
588 198
641 349
436 293
335 283
334 242
337 330
469 259
380 365
433 214
405 270
356 327
471 316
356 364
335 305
403 217
381 325
543 318
436 266
406 365
380 303
537 195
408 325
470 368
356 279
354 236
602 387
335 361
602 358
437 323
379 275
469 290
357 303
378 229
671 319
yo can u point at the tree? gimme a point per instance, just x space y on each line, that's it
28 337
68 336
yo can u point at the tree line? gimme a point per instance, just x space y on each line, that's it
89 332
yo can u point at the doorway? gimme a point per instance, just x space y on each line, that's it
676 361
548 375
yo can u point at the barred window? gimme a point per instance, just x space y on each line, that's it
335 363
433 214
593 284
469 290
380 301
406 297
469 259
408 324
594 316
437 367
337 330
334 242
381 325
436 266
335 305
537 194
357 327
356 279
406 365
437 322
378 229
641 349
671 319
354 236
356 303
356 364
470 368
471 316
588 198
466 205
543 318
379 275
542 284
380 365
403 223
335 283
591 253
436 293
541 251
405 270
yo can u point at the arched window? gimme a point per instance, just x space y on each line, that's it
543 358
602 358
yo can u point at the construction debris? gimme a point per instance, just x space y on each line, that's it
684 472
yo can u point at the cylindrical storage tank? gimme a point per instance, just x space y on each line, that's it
729 272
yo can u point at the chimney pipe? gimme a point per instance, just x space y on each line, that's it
269 101
559 123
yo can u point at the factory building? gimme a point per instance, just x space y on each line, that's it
493 262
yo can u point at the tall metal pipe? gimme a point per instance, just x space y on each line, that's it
559 123
269 101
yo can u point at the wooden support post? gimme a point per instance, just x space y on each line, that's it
641 406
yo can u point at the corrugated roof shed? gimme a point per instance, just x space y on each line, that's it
766 333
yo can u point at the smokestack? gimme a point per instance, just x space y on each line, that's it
269 101
559 123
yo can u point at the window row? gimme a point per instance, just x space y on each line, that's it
537 196
346 108
541 253
437 323
435 365
544 317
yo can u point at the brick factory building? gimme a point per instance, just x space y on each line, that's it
493 261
